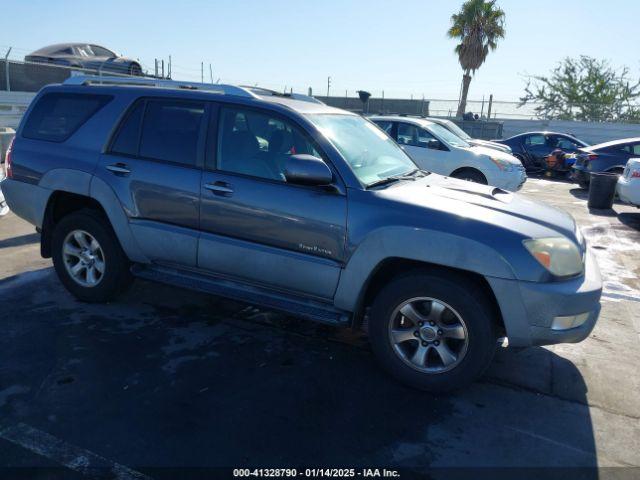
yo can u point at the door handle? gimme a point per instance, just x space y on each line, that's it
219 188
119 169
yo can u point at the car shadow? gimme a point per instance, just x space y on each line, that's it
167 377
630 219
20 241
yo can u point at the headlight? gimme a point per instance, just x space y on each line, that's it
503 164
558 255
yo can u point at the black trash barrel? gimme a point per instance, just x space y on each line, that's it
602 189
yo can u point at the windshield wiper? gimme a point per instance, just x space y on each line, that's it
395 178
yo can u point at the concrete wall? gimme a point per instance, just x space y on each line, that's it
379 105
12 106
590 132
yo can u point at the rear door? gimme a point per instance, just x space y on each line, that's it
255 226
154 166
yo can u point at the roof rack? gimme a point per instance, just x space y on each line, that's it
294 96
160 83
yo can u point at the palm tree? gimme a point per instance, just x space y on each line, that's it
478 25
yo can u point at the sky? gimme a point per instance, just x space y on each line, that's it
398 47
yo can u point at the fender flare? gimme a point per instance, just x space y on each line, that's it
88 185
408 243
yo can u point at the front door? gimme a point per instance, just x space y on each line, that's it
154 168
415 141
254 225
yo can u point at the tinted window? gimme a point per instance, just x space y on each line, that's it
57 116
126 141
566 144
384 125
258 144
170 131
533 140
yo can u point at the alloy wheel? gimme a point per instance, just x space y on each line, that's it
428 335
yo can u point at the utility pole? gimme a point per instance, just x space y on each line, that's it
201 72
490 105
169 68
210 73
6 69
328 85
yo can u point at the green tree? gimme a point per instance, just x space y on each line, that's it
478 26
584 89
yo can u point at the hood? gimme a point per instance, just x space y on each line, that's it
493 205
490 144
490 152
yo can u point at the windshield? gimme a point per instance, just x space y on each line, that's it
370 153
457 130
447 136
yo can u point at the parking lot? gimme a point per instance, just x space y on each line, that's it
170 378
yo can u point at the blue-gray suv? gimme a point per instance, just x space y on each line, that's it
284 202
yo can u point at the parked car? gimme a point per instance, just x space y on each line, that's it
456 130
604 157
628 187
296 206
85 56
436 149
533 148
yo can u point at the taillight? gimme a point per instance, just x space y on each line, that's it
592 156
635 173
7 159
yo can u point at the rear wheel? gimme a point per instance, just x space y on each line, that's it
470 175
88 258
433 331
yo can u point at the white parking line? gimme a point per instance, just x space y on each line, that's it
72 457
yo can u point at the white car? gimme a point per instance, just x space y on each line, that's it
629 183
455 129
437 149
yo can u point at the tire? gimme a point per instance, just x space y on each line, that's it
470 175
115 276
465 305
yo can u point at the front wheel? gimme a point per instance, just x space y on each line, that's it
433 331
470 175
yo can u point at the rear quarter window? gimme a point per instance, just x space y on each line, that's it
57 116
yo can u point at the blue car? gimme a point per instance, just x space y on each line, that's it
604 157
532 148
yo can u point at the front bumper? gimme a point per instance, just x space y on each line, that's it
529 308
511 182
629 191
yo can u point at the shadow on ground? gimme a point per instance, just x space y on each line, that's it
166 377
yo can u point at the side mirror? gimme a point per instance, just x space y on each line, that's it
433 144
305 169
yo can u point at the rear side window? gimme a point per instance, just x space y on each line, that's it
170 131
126 141
57 116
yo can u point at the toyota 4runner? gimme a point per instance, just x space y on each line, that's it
284 202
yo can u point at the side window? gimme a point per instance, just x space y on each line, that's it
258 144
635 148
424 136
535 140
385 125
171 130
57 116
408 135
126 140
566 144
